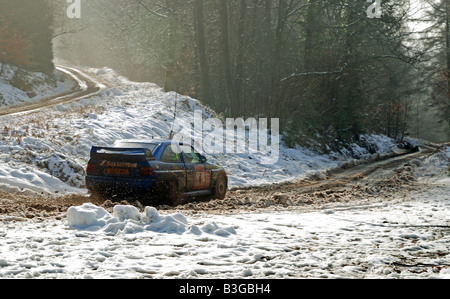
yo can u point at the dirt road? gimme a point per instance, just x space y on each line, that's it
347 185
87 87
352 183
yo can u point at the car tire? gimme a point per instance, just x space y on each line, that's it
173 195
220 188
166 193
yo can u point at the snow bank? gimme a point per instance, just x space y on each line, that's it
87 216
29 180
129 220
435 167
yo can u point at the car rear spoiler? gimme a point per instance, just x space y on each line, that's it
121 154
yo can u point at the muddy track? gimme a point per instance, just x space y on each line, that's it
89 88
365 173
381 179
352 183
348 185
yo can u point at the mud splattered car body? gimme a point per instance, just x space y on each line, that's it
155 169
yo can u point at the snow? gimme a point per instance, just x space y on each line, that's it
367 241
53 146
406 237
38 85
129 220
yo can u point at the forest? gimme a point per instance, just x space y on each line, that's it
328 69
26 34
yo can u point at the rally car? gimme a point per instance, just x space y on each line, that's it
153 169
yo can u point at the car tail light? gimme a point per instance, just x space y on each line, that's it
90 168
146 171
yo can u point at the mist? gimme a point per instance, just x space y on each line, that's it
325 68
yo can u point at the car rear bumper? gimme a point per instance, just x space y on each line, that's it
119 185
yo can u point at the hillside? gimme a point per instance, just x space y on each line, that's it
19 86
48 151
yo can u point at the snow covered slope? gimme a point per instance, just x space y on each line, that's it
48 151
19 86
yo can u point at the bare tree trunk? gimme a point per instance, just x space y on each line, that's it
310 17
447 40
201 46
171 79
2 61
240 58
275 106
226 60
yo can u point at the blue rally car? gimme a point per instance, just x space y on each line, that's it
152 169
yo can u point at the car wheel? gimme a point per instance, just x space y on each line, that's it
220 188
174 196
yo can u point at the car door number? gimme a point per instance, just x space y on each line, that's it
198 171
201 178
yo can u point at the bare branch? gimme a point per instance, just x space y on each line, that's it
314 73
150 10
69 32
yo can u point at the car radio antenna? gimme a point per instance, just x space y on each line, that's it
174 117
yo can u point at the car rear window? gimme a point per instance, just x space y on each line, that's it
150 146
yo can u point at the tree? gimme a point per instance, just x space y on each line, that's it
437 61
14 46
321 66
34 19
226 56
201 51
240 63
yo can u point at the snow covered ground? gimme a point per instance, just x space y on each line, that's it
47 152
37 86
406 237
